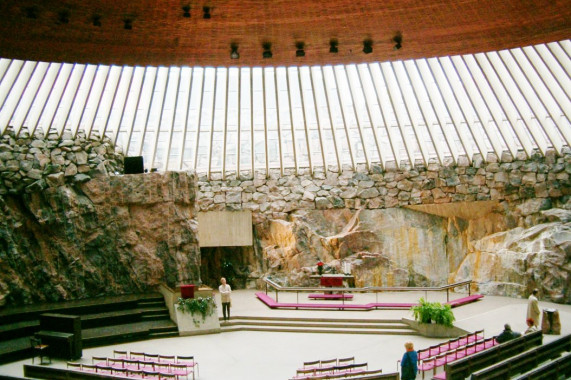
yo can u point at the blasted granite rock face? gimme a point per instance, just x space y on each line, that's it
110 235
392 247
516 261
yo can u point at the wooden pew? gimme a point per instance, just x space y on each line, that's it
550 370
462 368
525 361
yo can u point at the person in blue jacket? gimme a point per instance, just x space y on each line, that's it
408 363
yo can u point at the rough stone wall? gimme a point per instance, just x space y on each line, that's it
70 228
359 218
274 196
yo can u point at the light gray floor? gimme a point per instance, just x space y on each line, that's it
268 356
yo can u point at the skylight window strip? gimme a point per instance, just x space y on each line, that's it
410 107
357 115
42 98
239 121
9 80
53 101
252 146
344 124
113 87
424 77
518 100
530 96
199 121
426 113
393 92
456 99
78 106
166 93
547 79
4 66
14 99
305 126
291 122
73 98
330 119
135 111
562 57
29 96
482 82
543 94
211 124
150 76
94 99
368 102
279 127
267 155
225 126
554 67
317 115
63 107
120 109
384 109
508 107
483 115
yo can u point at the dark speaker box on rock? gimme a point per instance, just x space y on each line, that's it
133 165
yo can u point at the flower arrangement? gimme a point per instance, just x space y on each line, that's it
203 306
320 267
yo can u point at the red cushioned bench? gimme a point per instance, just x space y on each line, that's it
465 300
317 296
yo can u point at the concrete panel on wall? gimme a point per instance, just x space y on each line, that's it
225 228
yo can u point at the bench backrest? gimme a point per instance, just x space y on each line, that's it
524 361
550 370
462 368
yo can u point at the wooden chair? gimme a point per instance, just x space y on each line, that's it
329 363
116 363
137 355
88 368
120 354
151 357
181 370
74 366
120 372
311 364
99 361
189 362
39 349
167 359
151 374
344 361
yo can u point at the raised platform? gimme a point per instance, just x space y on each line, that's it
270 302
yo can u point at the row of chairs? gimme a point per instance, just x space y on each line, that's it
434 362
131 373
188 360
449 345
346 375
328 363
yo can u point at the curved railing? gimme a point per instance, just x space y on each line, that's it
368 289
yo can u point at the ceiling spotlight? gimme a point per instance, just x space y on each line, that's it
186 11
206 12
63 17
96 20
368 46
234 53
267 46
398 41
31 12
128 23
333 46
300 52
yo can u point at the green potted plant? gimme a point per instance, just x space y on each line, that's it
428 312
203 306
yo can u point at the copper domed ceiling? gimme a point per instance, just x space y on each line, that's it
292 32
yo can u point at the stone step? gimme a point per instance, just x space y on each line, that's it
325 330
318 325
332 325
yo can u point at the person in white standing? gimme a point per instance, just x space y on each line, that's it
225 292
533 307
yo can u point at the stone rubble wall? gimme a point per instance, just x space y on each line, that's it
34 163
274 196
